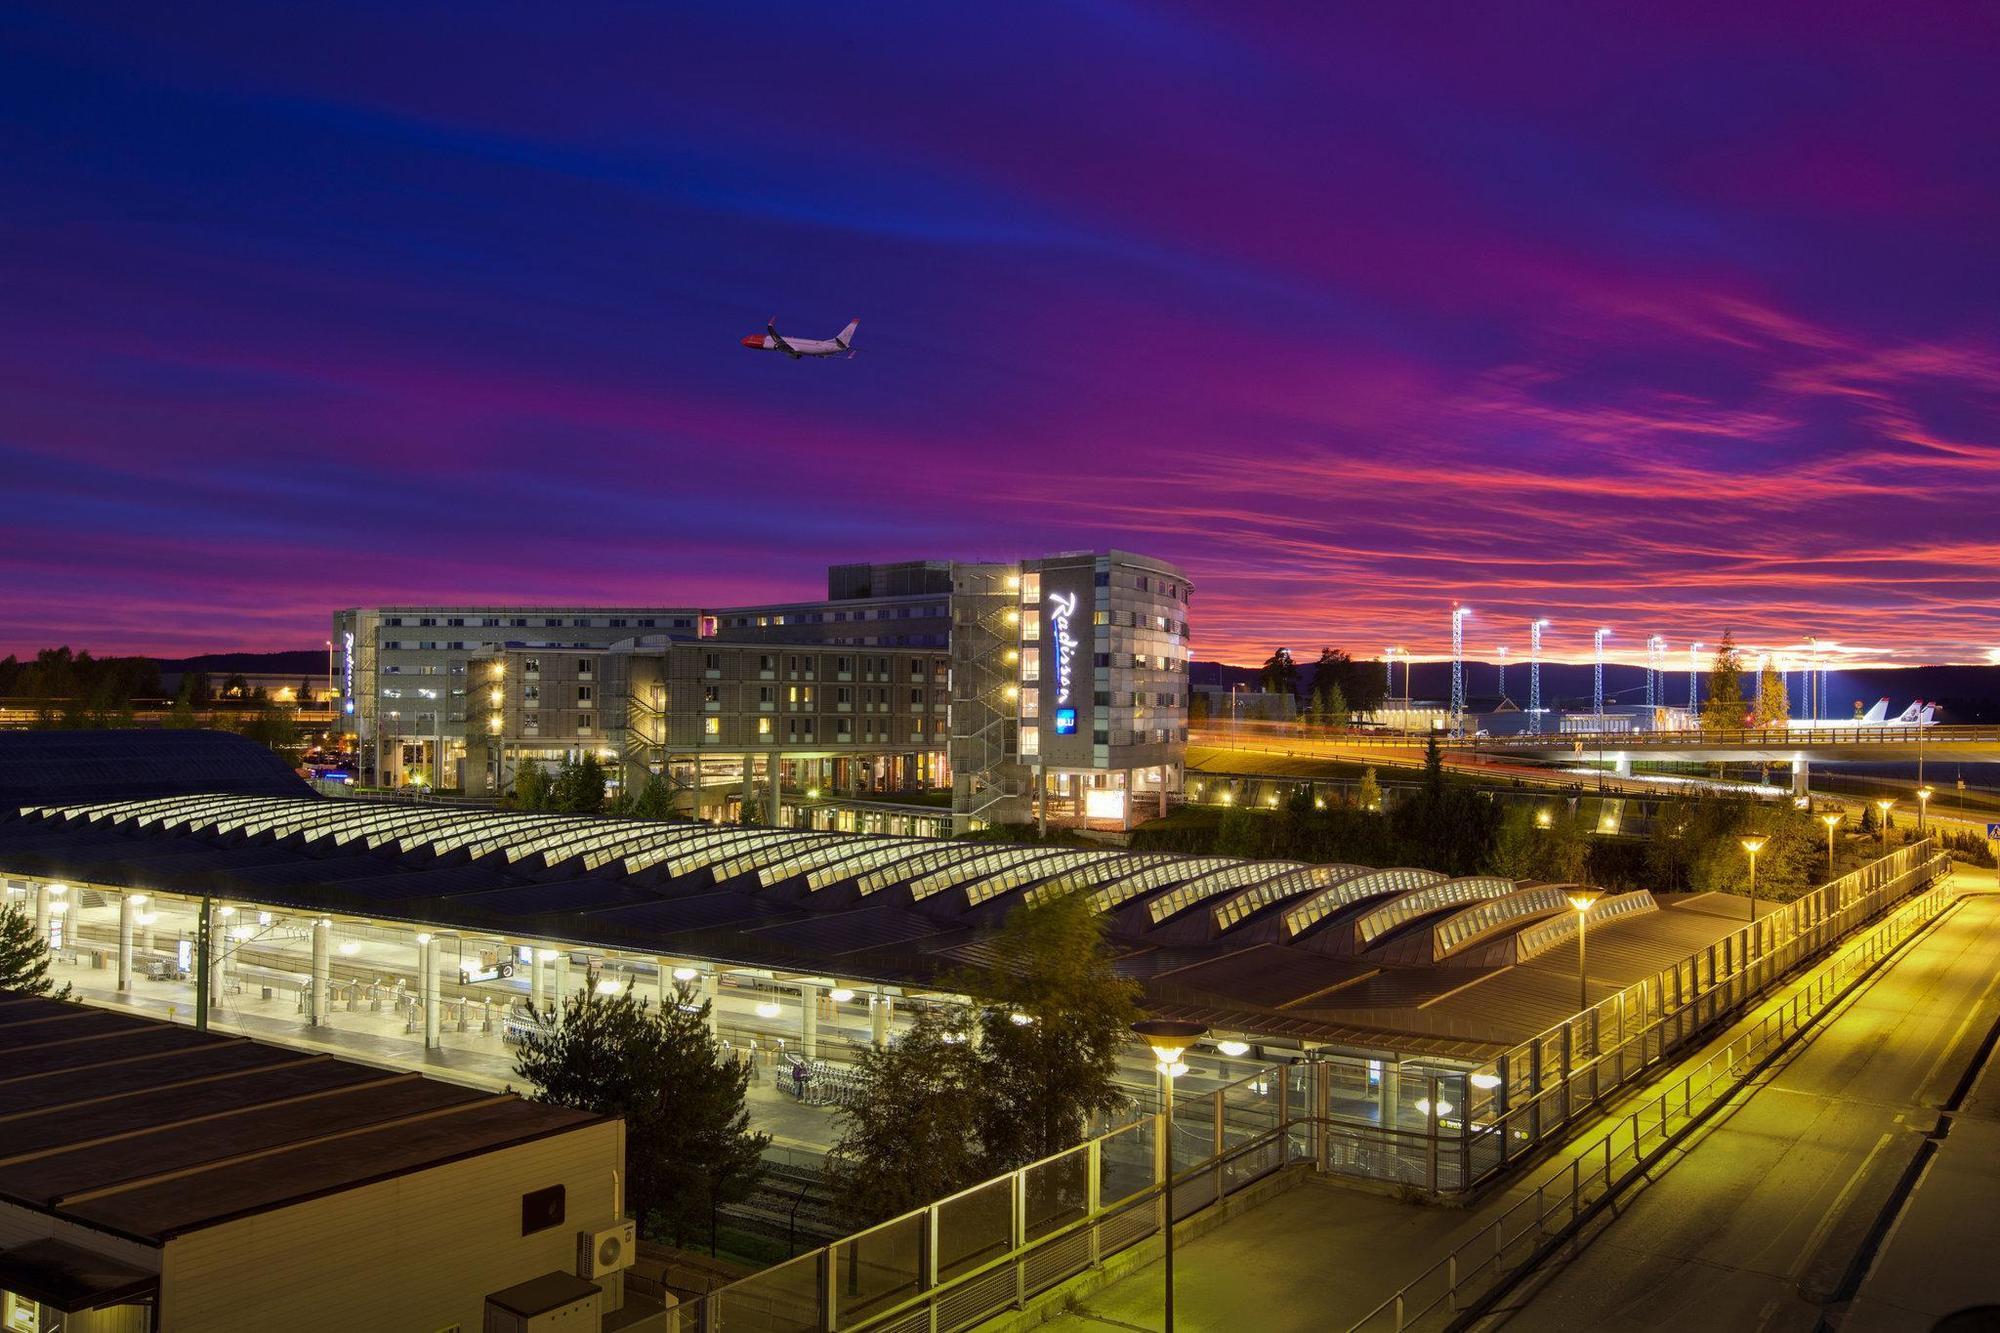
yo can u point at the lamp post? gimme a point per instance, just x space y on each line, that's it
1832 822
1753 845
1168 1039
1582 900
1885 807
1924 795
1535 629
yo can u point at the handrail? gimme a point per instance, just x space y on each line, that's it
1488 1248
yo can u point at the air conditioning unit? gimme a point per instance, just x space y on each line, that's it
605 1251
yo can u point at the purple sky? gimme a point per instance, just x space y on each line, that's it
1667 318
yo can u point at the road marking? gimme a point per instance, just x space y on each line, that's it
1833 1211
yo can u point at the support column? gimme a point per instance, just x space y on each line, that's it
1388 1095
559 979
219 953
322 973
809 1021
1801 777
711 994
880 1009
1622 766
125 906
427 959
749 786
537 995
777 773
669 993
42 912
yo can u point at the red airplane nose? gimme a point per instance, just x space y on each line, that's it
755 340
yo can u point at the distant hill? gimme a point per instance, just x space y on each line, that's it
306 662
1964 694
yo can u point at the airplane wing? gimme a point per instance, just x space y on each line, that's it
772 328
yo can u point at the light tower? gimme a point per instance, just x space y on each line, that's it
1458 615
1535 629
1812 677
1694 677
1501 652
1597 683
1656 672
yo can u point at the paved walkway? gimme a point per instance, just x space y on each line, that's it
1760 1217
1323 1256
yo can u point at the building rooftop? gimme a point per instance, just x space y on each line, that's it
147 1130
1366 957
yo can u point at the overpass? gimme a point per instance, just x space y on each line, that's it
1795 747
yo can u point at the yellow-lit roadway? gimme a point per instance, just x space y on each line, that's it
1769 1218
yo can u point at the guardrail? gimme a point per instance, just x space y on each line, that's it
1534 1091
1483 1264
992 1247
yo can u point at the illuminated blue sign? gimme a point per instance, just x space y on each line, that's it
1065 722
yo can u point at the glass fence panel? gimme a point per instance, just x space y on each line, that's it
784 1299
1058 1192
878 1268
1126 1163
975 1227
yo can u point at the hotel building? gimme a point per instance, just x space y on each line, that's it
1052 688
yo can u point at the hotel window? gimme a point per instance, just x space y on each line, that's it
763 725
711 726
1031 662
1031 589
617 622
1031 625
458 621
491 622
583 694
1031 703
550 622
518 622
583 724
1031 741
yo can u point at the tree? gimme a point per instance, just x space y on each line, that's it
1774 706
24 957
579 786
531 787
1054 1016
235 687
1724 707
911 1133
277 727
688 1145
1557 852
655 800
1368 792
1279 674
1328 688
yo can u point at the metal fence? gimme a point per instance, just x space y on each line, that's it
1441 1131
1480 1265
1538 1088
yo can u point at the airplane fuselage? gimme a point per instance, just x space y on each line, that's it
764 342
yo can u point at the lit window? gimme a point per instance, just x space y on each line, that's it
1031 625
1031 703
1031 663
711 726
1031 589
1031 741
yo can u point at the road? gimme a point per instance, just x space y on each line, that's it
1758 1221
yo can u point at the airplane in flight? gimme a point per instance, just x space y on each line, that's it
770 340
1918 714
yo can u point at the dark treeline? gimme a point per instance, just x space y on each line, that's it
66 679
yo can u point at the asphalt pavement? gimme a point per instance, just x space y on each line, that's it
1768 1218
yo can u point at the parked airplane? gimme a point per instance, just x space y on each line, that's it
1918 714
770 340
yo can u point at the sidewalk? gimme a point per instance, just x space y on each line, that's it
1324 1255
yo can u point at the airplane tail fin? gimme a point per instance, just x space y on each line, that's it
846 336
1877 713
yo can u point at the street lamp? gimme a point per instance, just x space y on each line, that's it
1885 807
1832 822
1582 900
1753 845
1924 795
1168 1038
